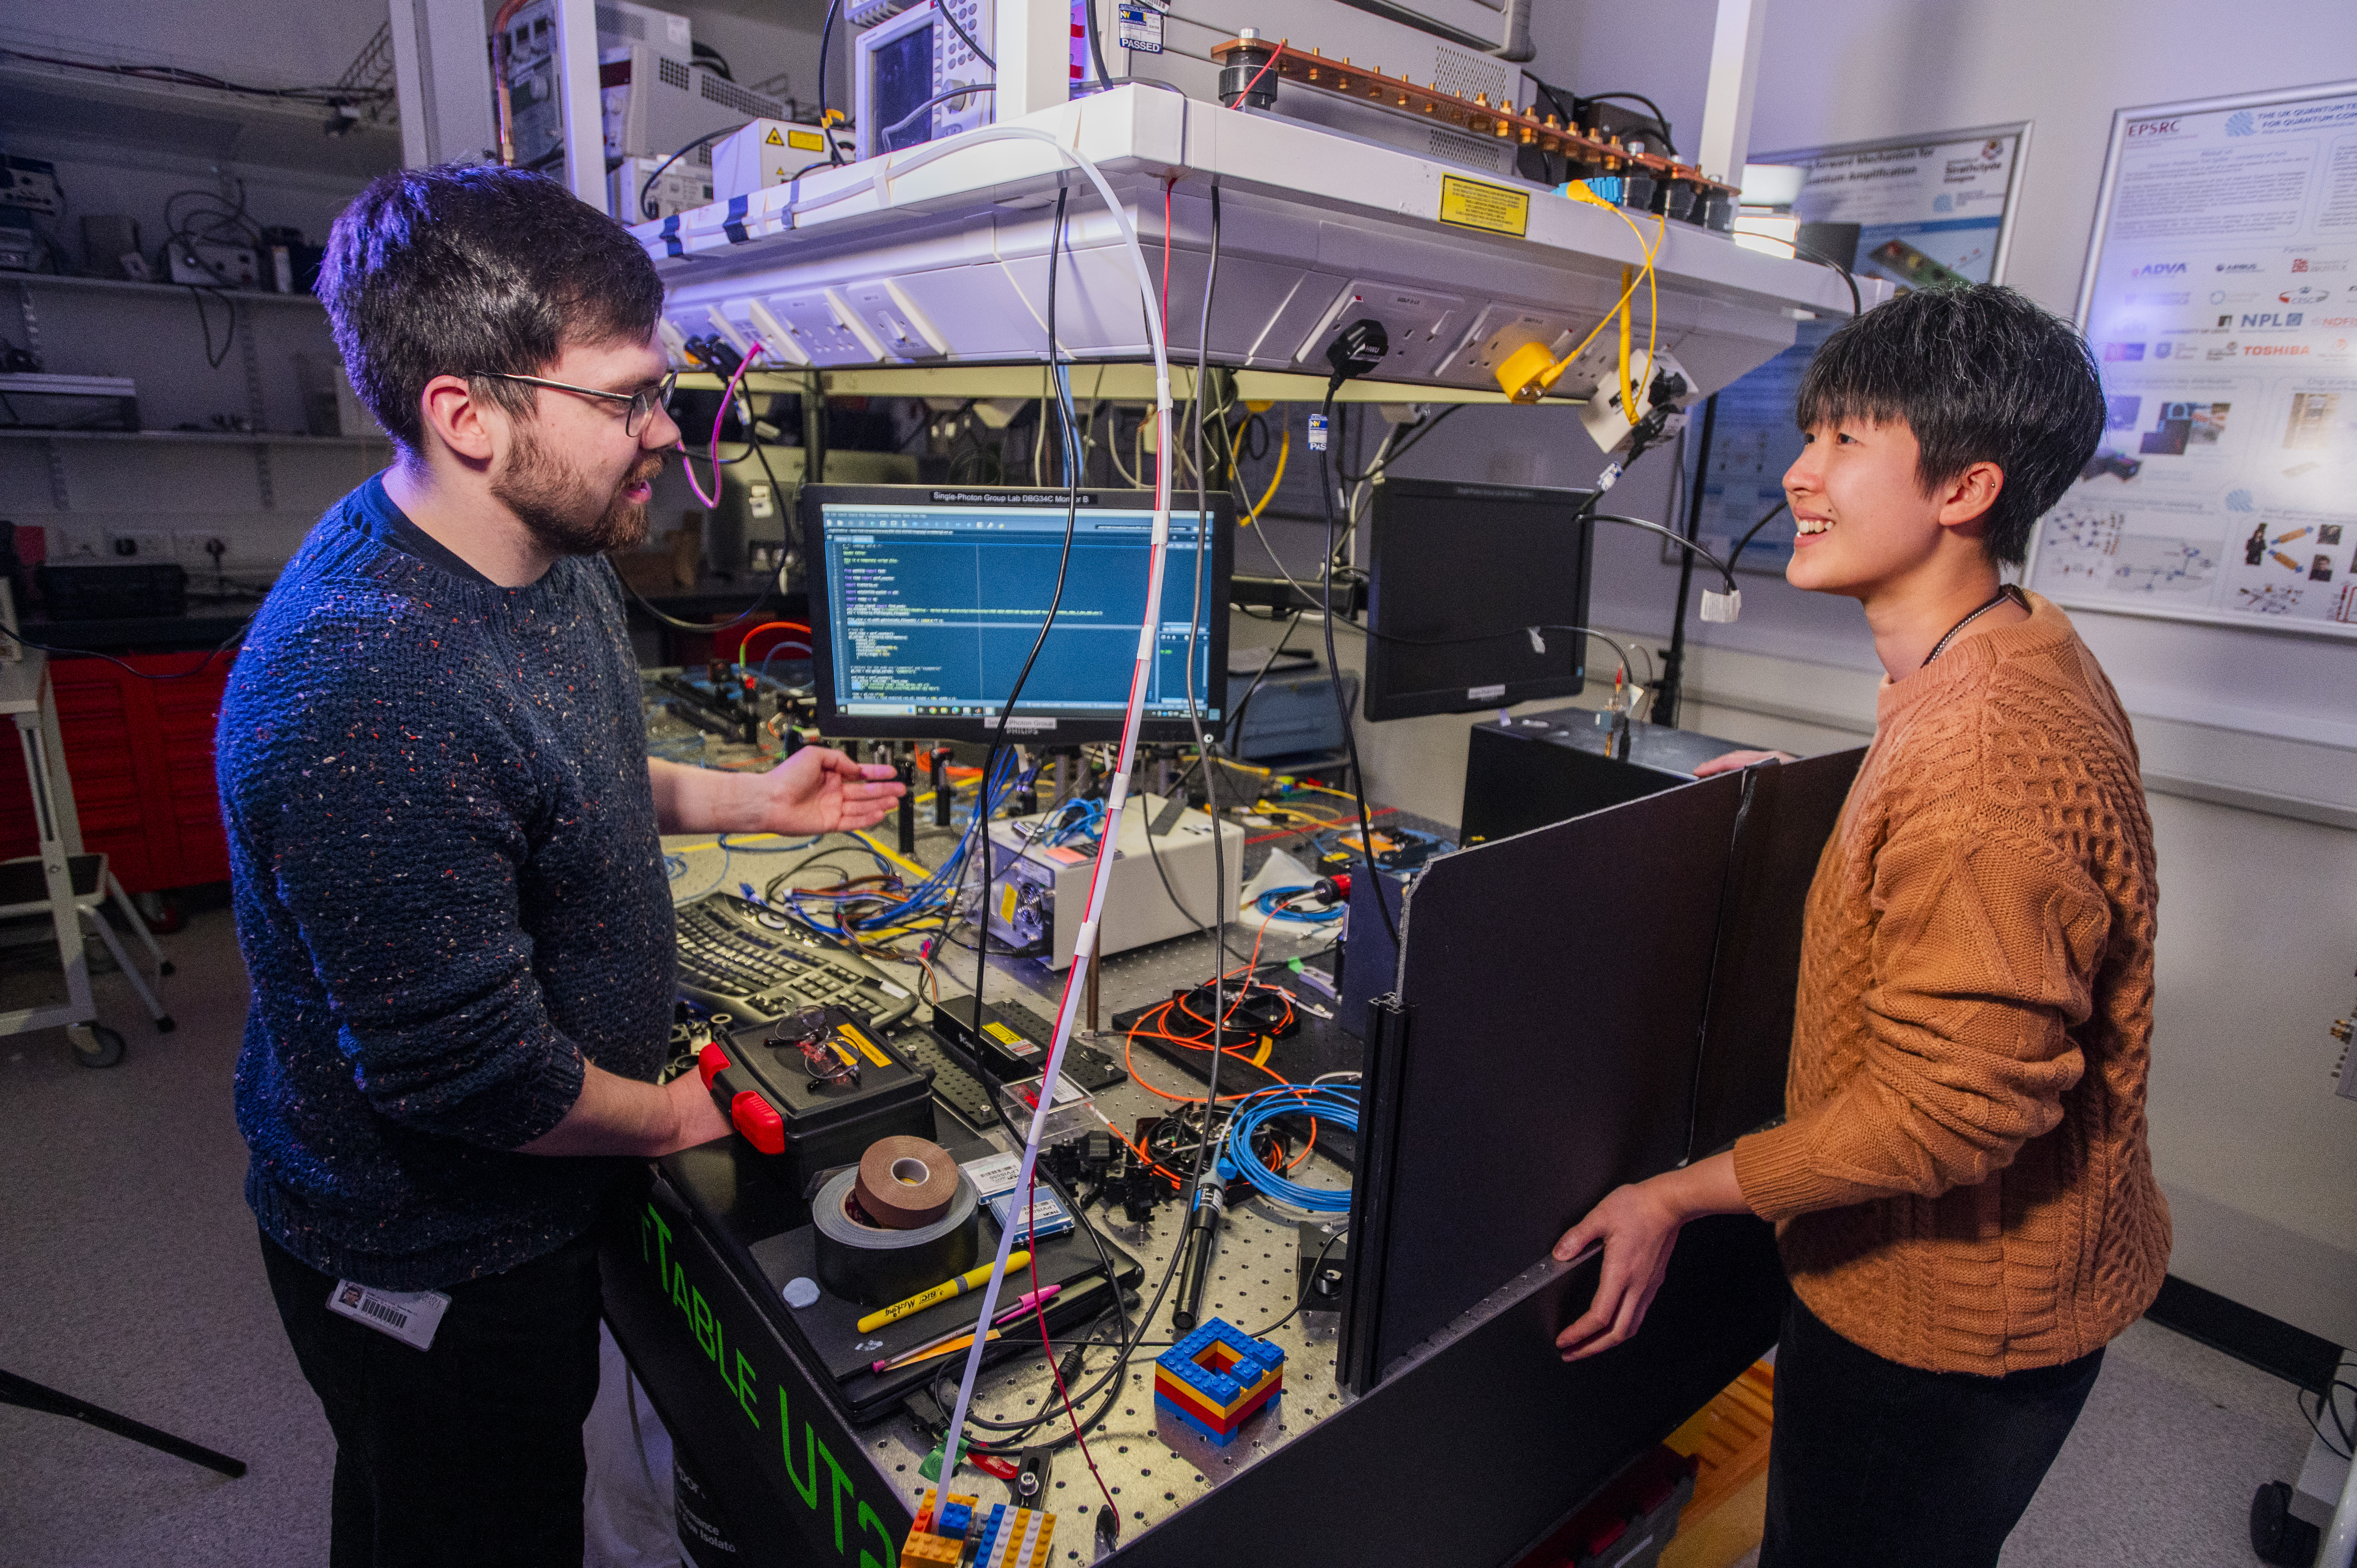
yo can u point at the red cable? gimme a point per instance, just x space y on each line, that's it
1237 101
1047 1346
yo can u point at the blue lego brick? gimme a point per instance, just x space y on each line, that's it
1255 1358
956 1518
1219 1439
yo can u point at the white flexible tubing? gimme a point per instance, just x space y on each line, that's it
1101 875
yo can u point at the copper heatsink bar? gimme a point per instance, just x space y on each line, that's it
1475 115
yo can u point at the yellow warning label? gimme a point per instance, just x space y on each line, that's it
867 1047
1005 1037
807 140
773 139
1469 204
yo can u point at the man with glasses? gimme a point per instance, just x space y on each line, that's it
449 885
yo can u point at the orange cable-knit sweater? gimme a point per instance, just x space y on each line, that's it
1963 1183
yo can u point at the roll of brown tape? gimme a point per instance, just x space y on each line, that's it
906 1183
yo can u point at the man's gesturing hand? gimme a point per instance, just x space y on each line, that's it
1639 1226
820 790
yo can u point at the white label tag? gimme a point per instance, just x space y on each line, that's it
408 1315
1318 432
994 1174
1135 27
1484 693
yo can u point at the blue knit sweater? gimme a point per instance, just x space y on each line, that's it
449 893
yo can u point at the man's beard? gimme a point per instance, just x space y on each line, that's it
563 507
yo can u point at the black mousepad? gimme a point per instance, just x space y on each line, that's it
828 1326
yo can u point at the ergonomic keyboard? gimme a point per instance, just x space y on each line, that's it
758 965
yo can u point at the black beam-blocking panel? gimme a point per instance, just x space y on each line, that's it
1788 814
1556 981
1472 1456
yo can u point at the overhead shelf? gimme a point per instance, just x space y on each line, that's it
946 264
48 103
162 291
1108 379
194 437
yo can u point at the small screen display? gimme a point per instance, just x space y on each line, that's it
904 80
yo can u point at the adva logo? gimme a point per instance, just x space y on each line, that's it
2159 270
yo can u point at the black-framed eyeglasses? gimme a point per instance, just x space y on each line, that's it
642 402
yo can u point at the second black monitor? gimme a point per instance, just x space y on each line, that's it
1461 574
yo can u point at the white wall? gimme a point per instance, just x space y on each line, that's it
2249 739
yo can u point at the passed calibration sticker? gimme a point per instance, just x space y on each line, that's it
1138 28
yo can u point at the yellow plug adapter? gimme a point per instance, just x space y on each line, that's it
1526 374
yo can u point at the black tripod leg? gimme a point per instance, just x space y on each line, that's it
30 1395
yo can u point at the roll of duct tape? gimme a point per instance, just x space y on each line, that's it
874 1266
906 1184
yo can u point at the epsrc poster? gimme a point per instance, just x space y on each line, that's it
2221 301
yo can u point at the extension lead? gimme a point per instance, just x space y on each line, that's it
1085 944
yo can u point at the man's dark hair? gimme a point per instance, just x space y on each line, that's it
461 269
1981 375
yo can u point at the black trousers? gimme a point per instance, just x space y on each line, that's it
1874 1463
468 1452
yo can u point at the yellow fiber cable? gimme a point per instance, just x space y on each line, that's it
1628 392
1283 450
1578 191
923 872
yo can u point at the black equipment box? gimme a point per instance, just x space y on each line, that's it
819 1117
1012 1042
114 593
1550 767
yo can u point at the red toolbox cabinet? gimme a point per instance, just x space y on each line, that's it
141 755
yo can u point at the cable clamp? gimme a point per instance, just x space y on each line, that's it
1718 607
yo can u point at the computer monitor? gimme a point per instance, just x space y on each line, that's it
924 600
1449 565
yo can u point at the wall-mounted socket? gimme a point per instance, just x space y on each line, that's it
201 550
71 544
142 547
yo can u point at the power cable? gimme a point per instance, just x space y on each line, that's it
883 136
825 46
1334 678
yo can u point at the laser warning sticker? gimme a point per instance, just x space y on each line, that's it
1493 209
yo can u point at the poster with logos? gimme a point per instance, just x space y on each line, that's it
1929 209
2220 300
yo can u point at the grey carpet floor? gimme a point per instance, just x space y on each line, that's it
129 1277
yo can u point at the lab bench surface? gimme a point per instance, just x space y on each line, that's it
1470 1449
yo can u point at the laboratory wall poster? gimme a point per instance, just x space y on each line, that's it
2221 302
1930 210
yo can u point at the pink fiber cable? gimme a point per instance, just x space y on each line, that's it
713 447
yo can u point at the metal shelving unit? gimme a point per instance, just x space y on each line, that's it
200 437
